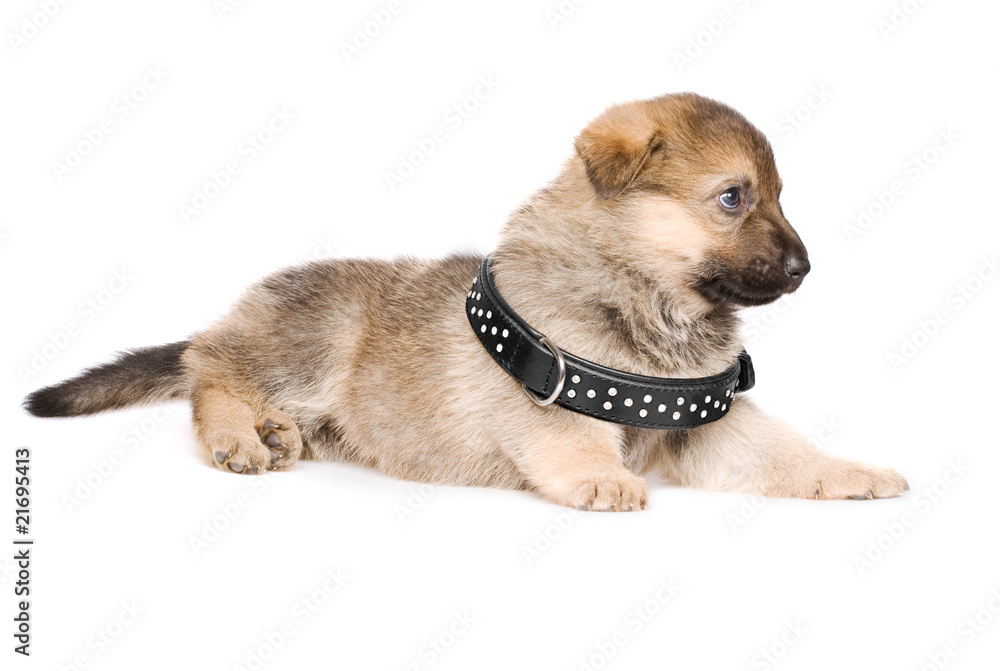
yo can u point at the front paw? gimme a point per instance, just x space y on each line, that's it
851 480
617 491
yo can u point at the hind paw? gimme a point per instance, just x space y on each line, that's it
272 444
280 436
244 458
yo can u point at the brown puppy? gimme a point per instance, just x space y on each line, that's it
664 223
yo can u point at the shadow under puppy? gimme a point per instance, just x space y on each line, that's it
663 223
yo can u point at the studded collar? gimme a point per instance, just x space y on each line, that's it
552 376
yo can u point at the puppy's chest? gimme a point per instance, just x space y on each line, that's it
667 351
642 449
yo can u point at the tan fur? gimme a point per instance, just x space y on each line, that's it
782 463
627 259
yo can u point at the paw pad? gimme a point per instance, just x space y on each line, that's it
281 437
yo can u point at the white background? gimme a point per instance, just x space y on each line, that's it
804 580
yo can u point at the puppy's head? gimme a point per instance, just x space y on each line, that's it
693 192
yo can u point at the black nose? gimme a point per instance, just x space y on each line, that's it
797 267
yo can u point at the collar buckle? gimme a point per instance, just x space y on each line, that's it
560 381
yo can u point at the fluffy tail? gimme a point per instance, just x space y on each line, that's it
138 376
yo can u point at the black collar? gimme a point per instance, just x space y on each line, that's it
550 375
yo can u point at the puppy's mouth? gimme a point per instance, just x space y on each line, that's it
724 288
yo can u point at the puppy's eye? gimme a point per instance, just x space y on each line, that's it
730 198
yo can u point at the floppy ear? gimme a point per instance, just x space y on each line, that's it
614 147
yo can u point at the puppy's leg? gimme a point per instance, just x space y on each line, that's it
749 452
241 436
578 464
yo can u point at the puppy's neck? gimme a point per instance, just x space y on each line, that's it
594 301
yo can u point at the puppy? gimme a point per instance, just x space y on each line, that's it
637 257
